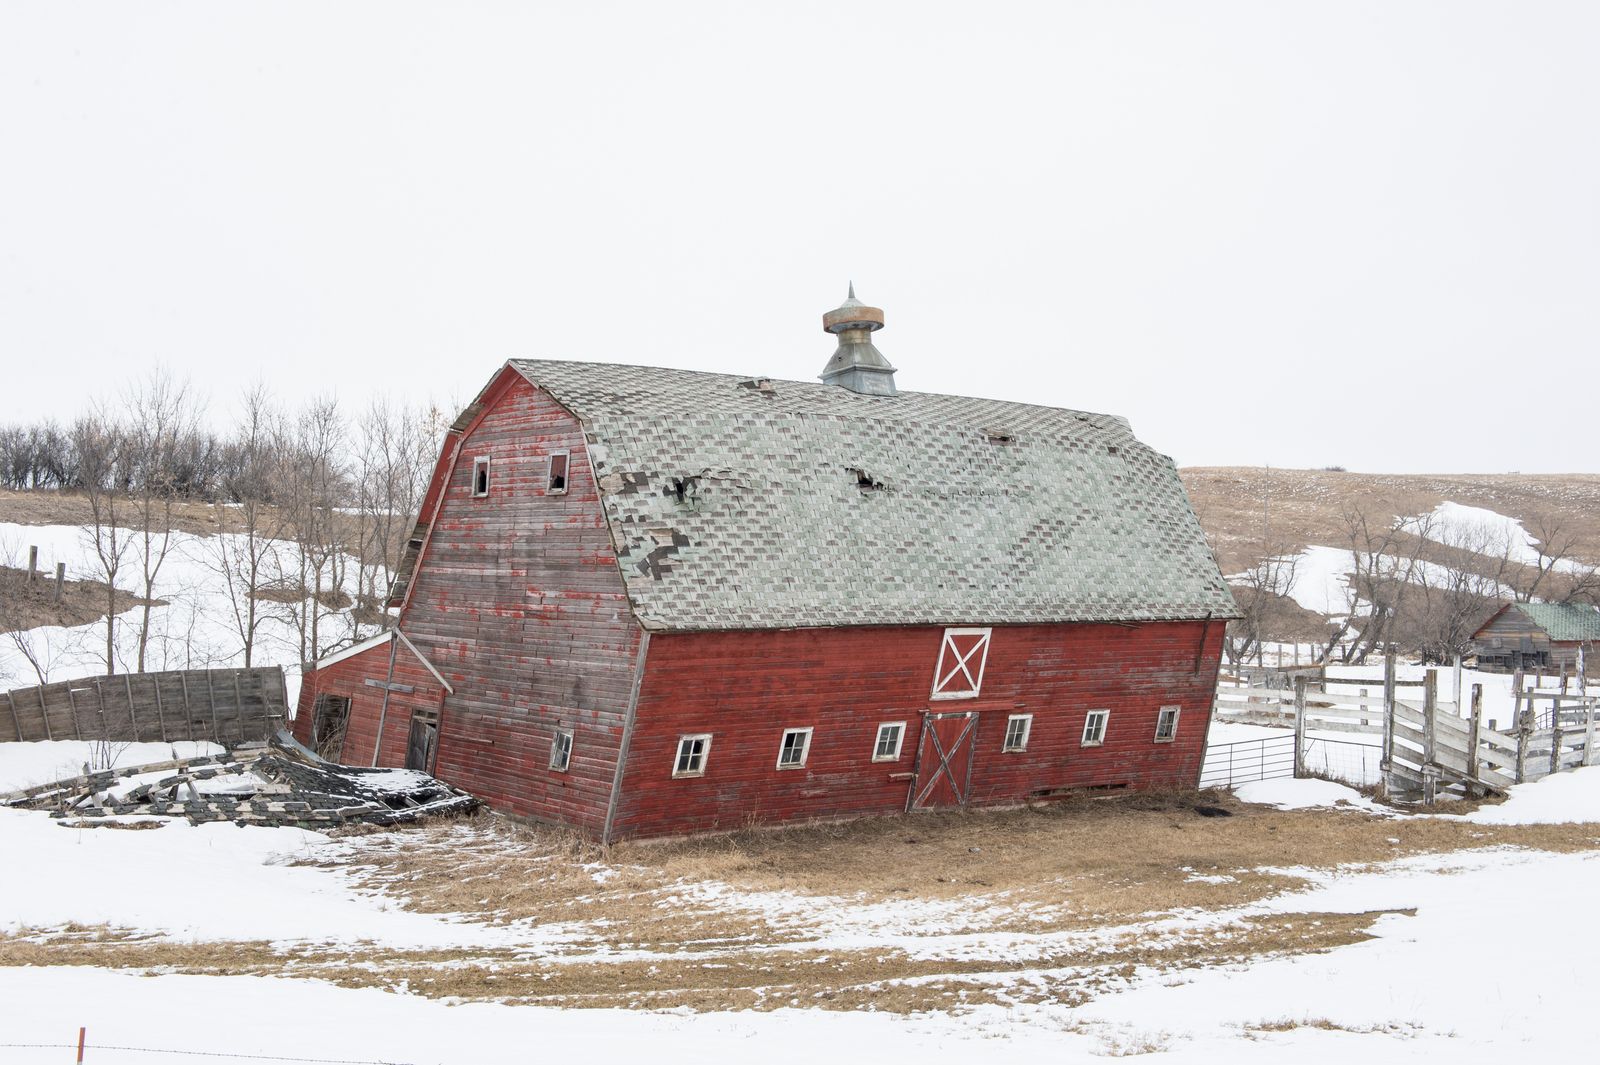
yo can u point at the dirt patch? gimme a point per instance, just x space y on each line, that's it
27 605
72 508
299 593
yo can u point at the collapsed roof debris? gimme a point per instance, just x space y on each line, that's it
249 784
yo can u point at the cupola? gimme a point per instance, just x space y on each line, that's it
856 364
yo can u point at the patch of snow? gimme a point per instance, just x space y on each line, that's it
1562 798
1289 793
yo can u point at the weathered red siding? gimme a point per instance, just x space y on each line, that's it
348 678
519 602
746 688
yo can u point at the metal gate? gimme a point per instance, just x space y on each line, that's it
943 774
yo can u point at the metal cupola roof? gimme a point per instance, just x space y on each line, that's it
856 363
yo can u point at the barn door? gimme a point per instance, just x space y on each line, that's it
329 719
424 739
943 776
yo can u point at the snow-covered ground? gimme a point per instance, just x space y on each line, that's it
1423 987
197 628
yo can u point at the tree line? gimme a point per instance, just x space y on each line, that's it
303 493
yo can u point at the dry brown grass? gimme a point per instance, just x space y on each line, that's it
25 605
1070 893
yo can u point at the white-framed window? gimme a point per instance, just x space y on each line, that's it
559 463
795 747
886 748
693 751
561 750
961 659
1018 726
480 475
1094 727
1167 724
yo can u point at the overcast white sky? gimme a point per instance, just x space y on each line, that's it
1287 233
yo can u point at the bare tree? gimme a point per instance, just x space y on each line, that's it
161 422
1451 601
311 488
102 452
244 553
1387 560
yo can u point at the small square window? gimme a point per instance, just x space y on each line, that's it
890 736
1094 728
559 461
1167 724
561 750
1018 726
480 475
692 754
794 748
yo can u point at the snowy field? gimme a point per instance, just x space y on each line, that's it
198 626
1320 582
1416 985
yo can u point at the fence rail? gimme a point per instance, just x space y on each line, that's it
219 705
1419 744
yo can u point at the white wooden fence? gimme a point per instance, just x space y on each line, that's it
1424 742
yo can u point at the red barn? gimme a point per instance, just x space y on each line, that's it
645 602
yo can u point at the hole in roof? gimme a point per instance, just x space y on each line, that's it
864 480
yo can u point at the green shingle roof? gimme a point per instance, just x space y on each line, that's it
1564 622
808 505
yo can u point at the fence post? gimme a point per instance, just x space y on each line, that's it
1588 734
1475 732
1524 728
1516 698
61 579
33 563
1430 707
1388 711
1555 735
1300 726
1457 690
1430 761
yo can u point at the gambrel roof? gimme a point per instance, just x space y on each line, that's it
739 503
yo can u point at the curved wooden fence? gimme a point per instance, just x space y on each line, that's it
220 705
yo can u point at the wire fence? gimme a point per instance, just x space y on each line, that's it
83 1050
1348 762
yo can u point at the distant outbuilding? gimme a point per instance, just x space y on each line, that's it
1547 636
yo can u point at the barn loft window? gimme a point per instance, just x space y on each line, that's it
559 461
561 750
890 735
1018 726
692 754
795 747
961 660
1094 728
480 475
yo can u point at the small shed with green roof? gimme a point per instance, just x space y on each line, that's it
1538 636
